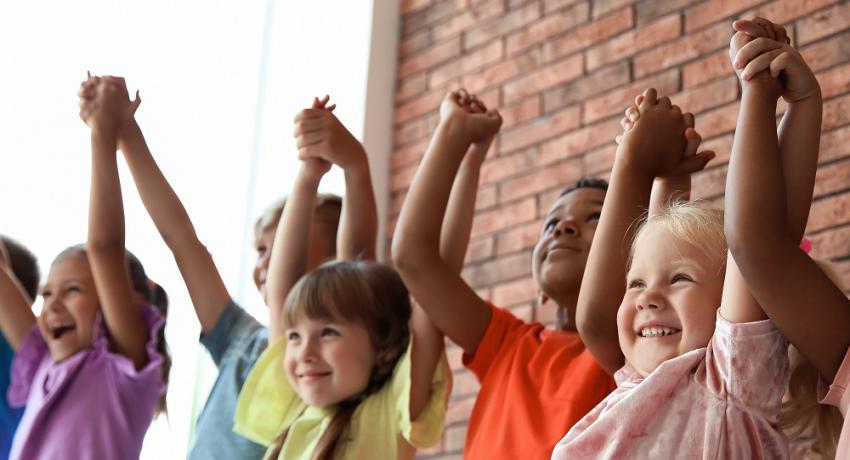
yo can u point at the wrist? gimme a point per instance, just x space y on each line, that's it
308 176
626 165
104 134
454 126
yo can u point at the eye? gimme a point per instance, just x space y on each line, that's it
330 332
636 284
680 277
46 294
594 217
292 335
72 289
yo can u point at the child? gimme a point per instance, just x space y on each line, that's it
769 190
690 374
88 368
344 376
233 337
24 268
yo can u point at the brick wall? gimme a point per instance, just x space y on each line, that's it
561 72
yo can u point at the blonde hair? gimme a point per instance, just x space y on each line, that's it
694 222
271 215
803 418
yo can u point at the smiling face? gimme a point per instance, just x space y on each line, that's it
70 306
560 255
328 361
673 292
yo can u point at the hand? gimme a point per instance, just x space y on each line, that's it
105 104
477 152
320 135
770 49
692 161
476 122
740 39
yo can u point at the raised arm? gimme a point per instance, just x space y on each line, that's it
452 305
16 316
769 194
105 243
653 147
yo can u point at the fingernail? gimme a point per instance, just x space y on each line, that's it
633 116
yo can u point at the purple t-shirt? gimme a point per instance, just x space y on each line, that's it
94 405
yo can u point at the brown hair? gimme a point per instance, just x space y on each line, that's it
802 416
152 294
24 265
369 293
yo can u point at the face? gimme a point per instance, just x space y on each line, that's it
672 295
561 252
328 361
70 307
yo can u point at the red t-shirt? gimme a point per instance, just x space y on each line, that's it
535 385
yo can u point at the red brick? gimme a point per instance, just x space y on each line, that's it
829 212
464 384
518 239
543 78
603 7
504 217
832 178
454 357
823 23
551 25
706 69
396 202
542 128
835 81
550 6
714 10
546 314
590 34
515 292
496 27
465 64
410 87
576 91
430 57
459 411
502 71
414 43
487 197
454 438
835 144
410 6
498 168
575 142
616 101
406 155
718 121
553 176
785 11
709 96
524 312
836 112
522 111
438 11
721 146
463 21
402 178
828 53
498 270
647 11
419 106
709 183
687 48
480 250
634 41
410 132
599 160
831 244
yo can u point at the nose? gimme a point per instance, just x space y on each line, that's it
567 227
53 304
308 351
648 299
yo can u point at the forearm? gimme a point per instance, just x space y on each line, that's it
428 347
457 226
290 249
799 142
604 281
669 189
16 316
359 224
106 210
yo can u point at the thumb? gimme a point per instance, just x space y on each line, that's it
693 140
694 163
135 103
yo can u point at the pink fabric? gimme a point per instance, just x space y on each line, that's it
719 402
838 396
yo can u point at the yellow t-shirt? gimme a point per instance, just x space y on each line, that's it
380 427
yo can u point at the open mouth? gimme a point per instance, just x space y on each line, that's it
657 331
59 329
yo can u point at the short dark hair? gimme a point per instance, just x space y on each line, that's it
24 265
600 184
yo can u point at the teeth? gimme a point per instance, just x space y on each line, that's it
657 331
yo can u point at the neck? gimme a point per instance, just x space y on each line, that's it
565 310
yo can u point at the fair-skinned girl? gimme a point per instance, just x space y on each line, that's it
351 371
87 368
686 375
769 193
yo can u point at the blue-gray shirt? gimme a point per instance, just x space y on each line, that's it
236 342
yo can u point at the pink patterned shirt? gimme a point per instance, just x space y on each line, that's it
719 402
838 395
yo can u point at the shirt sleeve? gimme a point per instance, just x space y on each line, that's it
25 365
233 327
836 394
747 363
267 403
497 337
427 428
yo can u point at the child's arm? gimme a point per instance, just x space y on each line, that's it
770 199
323 136
452 305
16 316
654 147
105 243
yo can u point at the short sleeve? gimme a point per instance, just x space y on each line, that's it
502 324
748 364
25 365
267 403
150 375
427 428
233 327
837 393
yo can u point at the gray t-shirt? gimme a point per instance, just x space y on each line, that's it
236 342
